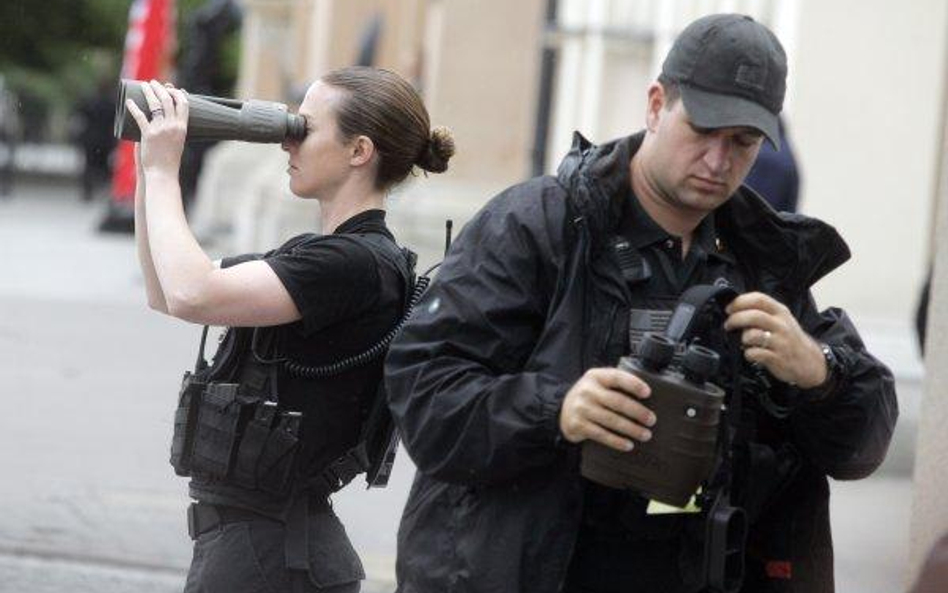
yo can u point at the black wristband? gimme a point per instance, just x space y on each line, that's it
833 375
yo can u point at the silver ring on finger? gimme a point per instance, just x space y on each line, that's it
765 344
157 112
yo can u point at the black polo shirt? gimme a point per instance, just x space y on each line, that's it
672 272
620 547
349 297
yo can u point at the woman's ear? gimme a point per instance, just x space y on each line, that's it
362 150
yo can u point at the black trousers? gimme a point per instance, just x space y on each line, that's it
655 555
249 557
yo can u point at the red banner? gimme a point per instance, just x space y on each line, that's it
149 45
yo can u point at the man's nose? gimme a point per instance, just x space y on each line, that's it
718 155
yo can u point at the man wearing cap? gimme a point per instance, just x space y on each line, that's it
508 364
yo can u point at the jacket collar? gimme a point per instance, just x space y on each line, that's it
785 251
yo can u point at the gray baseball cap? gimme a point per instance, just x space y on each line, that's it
731 71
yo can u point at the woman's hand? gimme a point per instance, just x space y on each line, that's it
772 337
163 137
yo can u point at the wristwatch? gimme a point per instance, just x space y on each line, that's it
834 370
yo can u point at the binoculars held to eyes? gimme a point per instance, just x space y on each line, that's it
216 118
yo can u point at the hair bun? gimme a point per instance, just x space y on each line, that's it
439 149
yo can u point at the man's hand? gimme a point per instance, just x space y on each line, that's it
601 406
772 337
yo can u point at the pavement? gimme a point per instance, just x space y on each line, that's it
90 377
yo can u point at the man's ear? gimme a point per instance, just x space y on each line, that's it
361 151
654 106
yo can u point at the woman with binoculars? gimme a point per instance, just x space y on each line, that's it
283 411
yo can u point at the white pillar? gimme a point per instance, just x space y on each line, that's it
929 511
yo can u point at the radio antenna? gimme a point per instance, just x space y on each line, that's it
448 224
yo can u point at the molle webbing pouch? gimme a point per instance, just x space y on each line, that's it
185 415
252 443
270 438
193 386
216 433
229 425
185 419
277 460
249 441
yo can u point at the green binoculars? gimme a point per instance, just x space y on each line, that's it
216 118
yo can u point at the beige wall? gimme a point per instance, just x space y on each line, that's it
286 44
867 105
265 46
481 70
334 33
401 44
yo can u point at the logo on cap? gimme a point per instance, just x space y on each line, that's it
751 76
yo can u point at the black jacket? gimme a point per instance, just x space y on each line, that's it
520 309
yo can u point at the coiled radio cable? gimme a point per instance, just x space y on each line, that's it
304 371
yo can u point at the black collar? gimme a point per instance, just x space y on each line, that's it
640 229
368 221
637 226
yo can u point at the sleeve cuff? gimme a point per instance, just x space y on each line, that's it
838 370
551 403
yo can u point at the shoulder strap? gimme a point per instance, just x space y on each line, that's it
402 258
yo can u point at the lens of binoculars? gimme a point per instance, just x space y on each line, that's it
216 118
